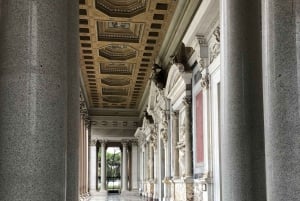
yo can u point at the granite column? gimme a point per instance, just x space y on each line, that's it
242 127
38 59
281 70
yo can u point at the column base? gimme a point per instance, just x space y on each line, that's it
182 189
128 193
99 193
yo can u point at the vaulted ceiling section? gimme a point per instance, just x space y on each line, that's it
120 40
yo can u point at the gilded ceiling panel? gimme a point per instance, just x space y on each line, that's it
120 40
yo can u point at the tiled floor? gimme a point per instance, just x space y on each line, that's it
116 197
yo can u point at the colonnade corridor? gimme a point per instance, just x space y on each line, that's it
117 197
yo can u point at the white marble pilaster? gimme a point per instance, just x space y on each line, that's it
188 138
174 133
124 168
134 169
166 181
93 167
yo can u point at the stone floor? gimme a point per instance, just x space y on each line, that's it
116 197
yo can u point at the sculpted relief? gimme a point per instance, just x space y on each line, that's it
181 148
214 49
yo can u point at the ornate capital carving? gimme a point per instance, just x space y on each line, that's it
187 101
124 143
153 139
92 142
103 142
204 81
214 48
134 142
201 48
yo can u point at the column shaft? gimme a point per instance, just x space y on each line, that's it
281 72
134 170
242 128
93 167
124 169
103 166
72 182
37 62
87 159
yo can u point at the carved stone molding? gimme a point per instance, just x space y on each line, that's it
187 101
152 138
103 142
201 49
204 81
134 142
164 135
174 115
124 143
214 47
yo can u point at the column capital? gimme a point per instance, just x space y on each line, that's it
92 142
124 143
174 114
187 100
134 142
204 81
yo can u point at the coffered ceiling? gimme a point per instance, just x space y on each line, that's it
120 40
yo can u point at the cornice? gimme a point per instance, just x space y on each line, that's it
182 17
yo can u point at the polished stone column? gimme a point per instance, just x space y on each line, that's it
124 168
80 178
87 158
37 60
73 103
93 167
175 154
103 166
281 98
242 128
188 137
